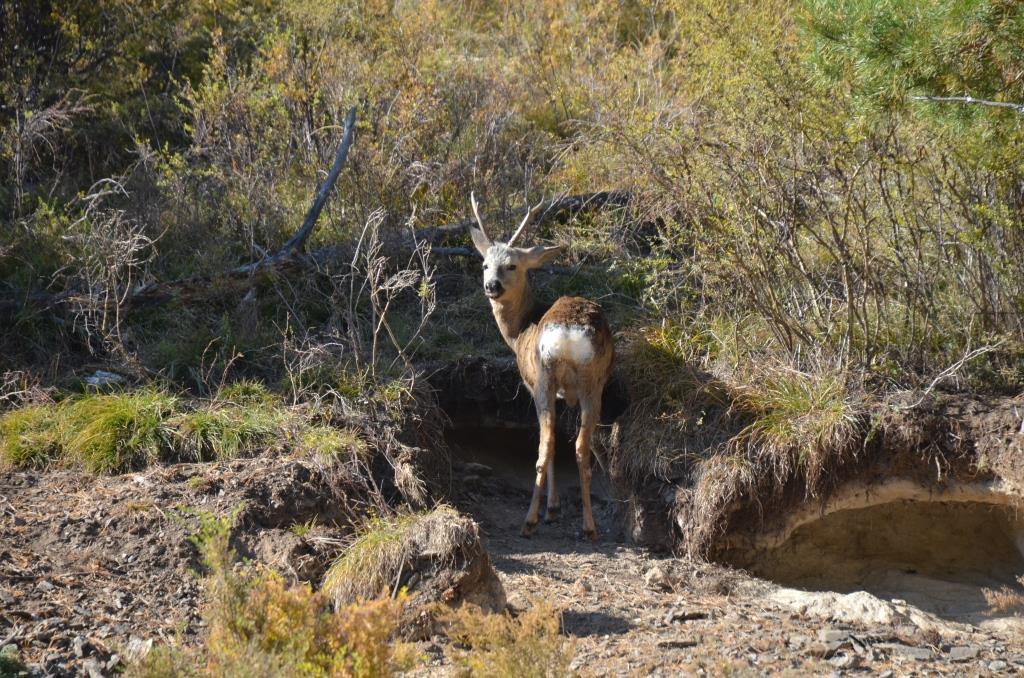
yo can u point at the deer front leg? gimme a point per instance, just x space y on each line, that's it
590 412
545 403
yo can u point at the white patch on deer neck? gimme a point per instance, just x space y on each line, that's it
570 343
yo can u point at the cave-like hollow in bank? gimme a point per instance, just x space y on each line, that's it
957 553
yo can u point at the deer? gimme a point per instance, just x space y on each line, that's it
563 351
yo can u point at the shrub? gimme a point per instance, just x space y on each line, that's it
259 626
529 645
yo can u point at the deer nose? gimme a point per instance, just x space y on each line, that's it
492 287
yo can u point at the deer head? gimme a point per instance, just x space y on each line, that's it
505 266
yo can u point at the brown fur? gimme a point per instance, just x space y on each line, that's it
521 322
569 312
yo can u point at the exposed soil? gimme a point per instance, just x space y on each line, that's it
92 569
631 612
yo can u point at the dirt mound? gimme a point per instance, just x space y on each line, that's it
92 567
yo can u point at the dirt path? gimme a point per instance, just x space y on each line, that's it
631 612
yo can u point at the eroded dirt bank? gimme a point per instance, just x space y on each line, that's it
94 569
632 612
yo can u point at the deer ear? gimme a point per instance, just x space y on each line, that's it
540 255
480 239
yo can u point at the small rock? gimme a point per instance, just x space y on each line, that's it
478 469
82 647
114 660
679 643
798 641
845 661
886 674
909 651
656 578
997 666
824 650
93 668
676 616
963 653
832 635
44 585
101 378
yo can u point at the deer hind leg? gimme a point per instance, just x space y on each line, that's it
554 504
590 412
545 401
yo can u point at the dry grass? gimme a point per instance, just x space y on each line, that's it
1006 598
712 407
259 626
527 646
372 564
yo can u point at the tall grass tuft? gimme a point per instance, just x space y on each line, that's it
119 432
29 437
226 431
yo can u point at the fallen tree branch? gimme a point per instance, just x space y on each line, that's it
298 241
971 100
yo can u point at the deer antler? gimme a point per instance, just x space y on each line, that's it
526 220
476 212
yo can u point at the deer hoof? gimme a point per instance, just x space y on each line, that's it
528 529
591 535
552 514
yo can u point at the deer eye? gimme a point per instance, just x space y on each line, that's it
512 267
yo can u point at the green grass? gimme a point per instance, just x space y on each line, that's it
372 562
806 418
119 432
29 437
11 664
226 431
367 566
329 444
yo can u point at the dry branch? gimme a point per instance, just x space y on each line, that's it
298 241
971 100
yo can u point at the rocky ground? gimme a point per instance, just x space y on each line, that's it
95 569
631 612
